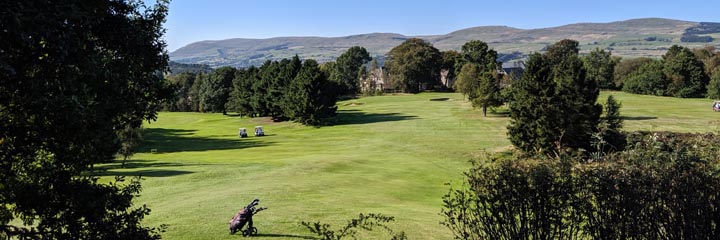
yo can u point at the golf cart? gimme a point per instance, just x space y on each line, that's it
242 133
259 131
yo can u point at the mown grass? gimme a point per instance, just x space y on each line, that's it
387 154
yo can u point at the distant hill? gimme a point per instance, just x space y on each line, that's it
649 37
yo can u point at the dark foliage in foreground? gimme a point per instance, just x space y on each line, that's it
366 222
663 186
72 74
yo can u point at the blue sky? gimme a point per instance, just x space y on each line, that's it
195 20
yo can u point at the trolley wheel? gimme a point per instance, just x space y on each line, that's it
250 232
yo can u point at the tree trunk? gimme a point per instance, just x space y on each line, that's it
484 111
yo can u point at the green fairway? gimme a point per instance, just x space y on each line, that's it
386 154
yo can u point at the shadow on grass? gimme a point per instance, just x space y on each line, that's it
348 117
115 169
138 163
270 235
164 140
639 118
498 113
141 173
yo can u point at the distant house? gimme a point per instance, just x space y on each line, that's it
510 72
445 80
514 69
375 81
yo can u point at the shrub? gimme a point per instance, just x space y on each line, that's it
662 186
513 199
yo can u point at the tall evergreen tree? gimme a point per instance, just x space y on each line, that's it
533 113
260 100
554 104
241 95
576 95
287 70
311 97
610 125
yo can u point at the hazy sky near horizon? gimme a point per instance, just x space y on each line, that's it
192 20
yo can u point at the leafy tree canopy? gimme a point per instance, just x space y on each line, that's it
72 73
479 52
347 67
685 73
215 90
600 68
647 79
625 67
414 65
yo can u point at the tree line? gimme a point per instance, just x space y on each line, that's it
289 89
415 65
681 72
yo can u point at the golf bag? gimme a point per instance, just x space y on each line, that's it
244 216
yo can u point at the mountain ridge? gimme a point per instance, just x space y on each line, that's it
630 38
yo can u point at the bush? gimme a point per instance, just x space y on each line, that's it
663 186
513 199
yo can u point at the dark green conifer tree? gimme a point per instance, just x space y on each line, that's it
311 97
554 103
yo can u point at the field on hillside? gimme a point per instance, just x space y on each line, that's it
387 154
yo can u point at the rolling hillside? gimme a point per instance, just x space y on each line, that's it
631 38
